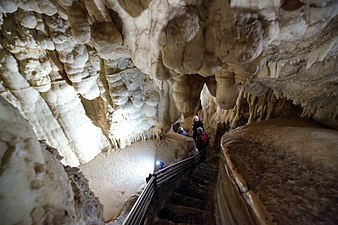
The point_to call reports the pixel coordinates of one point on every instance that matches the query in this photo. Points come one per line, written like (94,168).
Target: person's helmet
(180,130)
(196,118)
(199,129)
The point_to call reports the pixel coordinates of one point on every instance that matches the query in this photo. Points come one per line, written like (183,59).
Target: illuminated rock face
(95,74)
(35,186)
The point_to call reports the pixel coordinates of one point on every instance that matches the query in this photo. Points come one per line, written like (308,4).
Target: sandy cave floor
(292,166)
(116,175)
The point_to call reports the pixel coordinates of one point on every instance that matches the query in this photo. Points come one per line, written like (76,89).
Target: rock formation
(90,75)
(281,171)
(35,187)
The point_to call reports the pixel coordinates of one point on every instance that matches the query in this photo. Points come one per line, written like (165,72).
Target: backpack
(204,138)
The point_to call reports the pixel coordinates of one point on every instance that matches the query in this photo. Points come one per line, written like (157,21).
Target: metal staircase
(191,197)
(191,201)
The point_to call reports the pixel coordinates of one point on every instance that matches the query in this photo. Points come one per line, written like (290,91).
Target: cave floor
(293,167)
(119,174)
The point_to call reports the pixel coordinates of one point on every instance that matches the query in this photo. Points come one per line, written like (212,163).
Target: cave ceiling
(93,74)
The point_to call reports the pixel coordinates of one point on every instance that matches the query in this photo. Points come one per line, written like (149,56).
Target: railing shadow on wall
(155,182)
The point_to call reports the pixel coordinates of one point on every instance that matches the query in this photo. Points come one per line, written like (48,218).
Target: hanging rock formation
(89,75)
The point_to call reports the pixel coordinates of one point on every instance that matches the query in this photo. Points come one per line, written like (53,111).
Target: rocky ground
(292,166)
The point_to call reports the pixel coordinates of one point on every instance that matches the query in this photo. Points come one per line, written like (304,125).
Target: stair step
(206,172)
(206,175)
(193,193)
(178,199)
(207,181)
(206,167)
(184,214)
(195,184)
(168,222)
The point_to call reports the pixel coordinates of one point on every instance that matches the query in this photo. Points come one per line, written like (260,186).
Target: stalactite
(237,107)
(251,99)
(270,107)
(280,105)
(262,108)
(307,112)
(114,141)
(238,102)
(255,106)
(84,43)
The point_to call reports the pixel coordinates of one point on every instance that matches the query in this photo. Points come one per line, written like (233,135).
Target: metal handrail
(156,181)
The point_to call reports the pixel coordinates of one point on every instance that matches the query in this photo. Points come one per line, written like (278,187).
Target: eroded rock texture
(95,74)
(35,186)
(281,171)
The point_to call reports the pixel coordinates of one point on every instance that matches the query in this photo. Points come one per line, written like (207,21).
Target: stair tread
(184,214)
(207,175)
(204,178)
(207,167)
(178,199)
(203,183)
(168,222)
(187,209)
(193,193)
(197,184)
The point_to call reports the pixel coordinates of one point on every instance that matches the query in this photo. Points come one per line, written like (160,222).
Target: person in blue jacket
(182,131)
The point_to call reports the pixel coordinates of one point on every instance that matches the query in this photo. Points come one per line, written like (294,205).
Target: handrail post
(155,187)
(148,178)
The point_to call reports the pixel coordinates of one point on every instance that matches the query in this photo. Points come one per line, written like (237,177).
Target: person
(176,126)
(182,131)
(202,142)
(197,123)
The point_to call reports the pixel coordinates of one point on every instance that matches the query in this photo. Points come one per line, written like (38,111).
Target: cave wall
(35,187)
(278,172)
(89,75)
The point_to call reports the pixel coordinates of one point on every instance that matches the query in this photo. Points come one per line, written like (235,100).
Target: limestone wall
(35,187)
(234,203)
(289,165)
(90,75)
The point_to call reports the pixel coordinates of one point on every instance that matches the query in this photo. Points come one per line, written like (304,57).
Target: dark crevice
(5,160)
